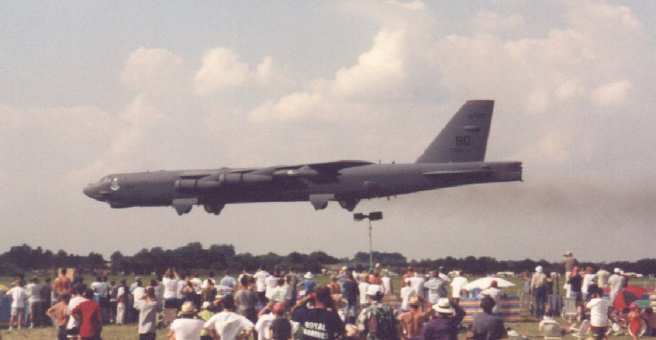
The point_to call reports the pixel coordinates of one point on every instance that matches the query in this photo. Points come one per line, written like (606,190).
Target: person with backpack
(377,321)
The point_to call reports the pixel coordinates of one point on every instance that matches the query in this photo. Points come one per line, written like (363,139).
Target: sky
(89,88)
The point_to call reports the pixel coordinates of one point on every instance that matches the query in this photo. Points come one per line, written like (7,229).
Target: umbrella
(628,295)
(484,283)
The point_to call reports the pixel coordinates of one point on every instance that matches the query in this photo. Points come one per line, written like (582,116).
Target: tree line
(221,257)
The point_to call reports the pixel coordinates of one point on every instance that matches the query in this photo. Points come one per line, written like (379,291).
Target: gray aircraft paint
(455,157)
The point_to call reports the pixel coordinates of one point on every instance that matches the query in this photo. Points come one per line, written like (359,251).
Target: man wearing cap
(320,322)
(377,321)
(539,290)
(444,326)
(308,283)
(569,261)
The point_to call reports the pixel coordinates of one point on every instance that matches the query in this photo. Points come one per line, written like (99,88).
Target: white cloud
(223,69)
(611,94)
(415,5)
(378,71)
(153,70)
(490,22)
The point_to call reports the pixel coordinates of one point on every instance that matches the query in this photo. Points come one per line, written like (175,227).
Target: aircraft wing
(310,170)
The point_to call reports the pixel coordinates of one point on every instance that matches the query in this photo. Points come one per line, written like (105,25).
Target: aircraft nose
(91,190)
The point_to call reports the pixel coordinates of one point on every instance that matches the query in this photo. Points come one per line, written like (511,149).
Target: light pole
(372,216)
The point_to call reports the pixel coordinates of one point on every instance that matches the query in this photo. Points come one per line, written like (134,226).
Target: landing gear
(349,204)
(213,208)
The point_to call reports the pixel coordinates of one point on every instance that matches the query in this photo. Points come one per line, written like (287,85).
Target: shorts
(73,332)
(598,332)
(172,303)
(15,311)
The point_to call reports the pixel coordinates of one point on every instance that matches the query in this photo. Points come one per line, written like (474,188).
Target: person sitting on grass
(550,327)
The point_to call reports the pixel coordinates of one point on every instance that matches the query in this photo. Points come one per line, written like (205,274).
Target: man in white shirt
(457,285)
(406,294)
(598,307)
(227,324)
(73,325)
(589,278)
(260,284)
(363,285)
(495,293)
(186,327)
(615,282)
(36,310)
(271,283)
(417,283)
(387,283)
(18,296)
(264,322)
(436,288)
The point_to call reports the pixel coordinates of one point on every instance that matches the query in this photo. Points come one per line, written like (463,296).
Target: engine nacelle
(240,179)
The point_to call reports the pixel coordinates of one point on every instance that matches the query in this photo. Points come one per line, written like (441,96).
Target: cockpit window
(114,186)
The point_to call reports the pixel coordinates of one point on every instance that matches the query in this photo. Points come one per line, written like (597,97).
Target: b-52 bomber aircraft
(455,157)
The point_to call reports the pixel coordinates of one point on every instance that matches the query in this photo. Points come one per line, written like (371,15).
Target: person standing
(495,293)
(121,301)
(350,294)
(407,293)
(18,298)
(444,326)
(412,320)
(436,288)
(321,322)
(458,284)
(387,283)
(58,313)
(87,314)
(33,290)
(539,290)
(487,326)
(377,321)
(308,282)
(260,285)
(227,324)
(615,282)
(148,307)
(575,282)
(589,278)
(246,299)
(187,326)
(417,283)
(62,284)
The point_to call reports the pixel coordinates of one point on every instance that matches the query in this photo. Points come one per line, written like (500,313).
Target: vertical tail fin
(464,138)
